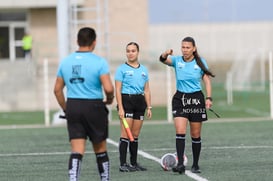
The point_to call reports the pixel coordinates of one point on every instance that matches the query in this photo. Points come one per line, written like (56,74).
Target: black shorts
(189,105)
(87,119)
(134,106)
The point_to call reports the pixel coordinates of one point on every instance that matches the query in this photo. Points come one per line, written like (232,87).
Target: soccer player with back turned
(86,76)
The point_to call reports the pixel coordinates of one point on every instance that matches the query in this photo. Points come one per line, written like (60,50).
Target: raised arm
(164,57)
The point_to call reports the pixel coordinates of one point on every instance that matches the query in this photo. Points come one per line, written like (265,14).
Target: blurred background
(235,37)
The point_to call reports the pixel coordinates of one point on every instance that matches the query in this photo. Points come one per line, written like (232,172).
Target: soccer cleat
(195,169)
(139,168)
(127,168)
(179,168)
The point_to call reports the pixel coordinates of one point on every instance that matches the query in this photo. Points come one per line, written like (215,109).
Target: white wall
(215,41)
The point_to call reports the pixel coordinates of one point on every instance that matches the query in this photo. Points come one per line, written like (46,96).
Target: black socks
(196,149)
(103,165)
(133,147)
(124,143)
(123,146)
(180,147)
(74,166)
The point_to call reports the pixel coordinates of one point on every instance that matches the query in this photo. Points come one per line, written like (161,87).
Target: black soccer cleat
(139,167)
(127,168)
(179,168)
(195,169)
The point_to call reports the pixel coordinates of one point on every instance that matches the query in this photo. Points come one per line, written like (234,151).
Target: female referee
(188,103)
(133,97)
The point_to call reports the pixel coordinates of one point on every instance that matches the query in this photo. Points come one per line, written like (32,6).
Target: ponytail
(201,65)
(197,57)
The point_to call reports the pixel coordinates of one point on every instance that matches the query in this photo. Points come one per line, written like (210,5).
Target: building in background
(119,21)
(240,47)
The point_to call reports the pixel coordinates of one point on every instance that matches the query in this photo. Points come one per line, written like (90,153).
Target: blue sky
(196,11)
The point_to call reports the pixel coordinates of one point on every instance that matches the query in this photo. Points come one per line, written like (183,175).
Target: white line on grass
(151,157)
(34,154)
(150,150)
(142,153)
(236,147)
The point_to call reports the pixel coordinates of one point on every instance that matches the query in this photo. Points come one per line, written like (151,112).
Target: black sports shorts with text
(87,119)
(189,105)
(134,106)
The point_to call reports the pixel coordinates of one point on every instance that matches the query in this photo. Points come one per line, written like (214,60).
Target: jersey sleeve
(59,71)
(118,75)
(147,75)
(173,58)
(104,67)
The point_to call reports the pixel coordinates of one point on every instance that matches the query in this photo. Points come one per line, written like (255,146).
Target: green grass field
(238,146)
(246,104)
(231,151)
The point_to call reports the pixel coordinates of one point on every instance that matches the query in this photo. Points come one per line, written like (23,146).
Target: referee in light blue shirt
(133,97)
(86,77)
(133,79)
(189,103)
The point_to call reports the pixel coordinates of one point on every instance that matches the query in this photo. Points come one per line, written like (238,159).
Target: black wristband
(162,59)
(209,98)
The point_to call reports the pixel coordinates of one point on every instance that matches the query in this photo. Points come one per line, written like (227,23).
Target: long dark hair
(197,57)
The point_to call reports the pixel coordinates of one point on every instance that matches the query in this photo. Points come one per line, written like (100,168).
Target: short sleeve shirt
(81,72)
(133,79)
(188,74)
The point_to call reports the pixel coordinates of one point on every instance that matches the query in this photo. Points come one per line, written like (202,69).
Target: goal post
(46,93)
(271,83)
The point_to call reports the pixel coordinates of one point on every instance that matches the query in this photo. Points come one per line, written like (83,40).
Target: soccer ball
(170,160)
